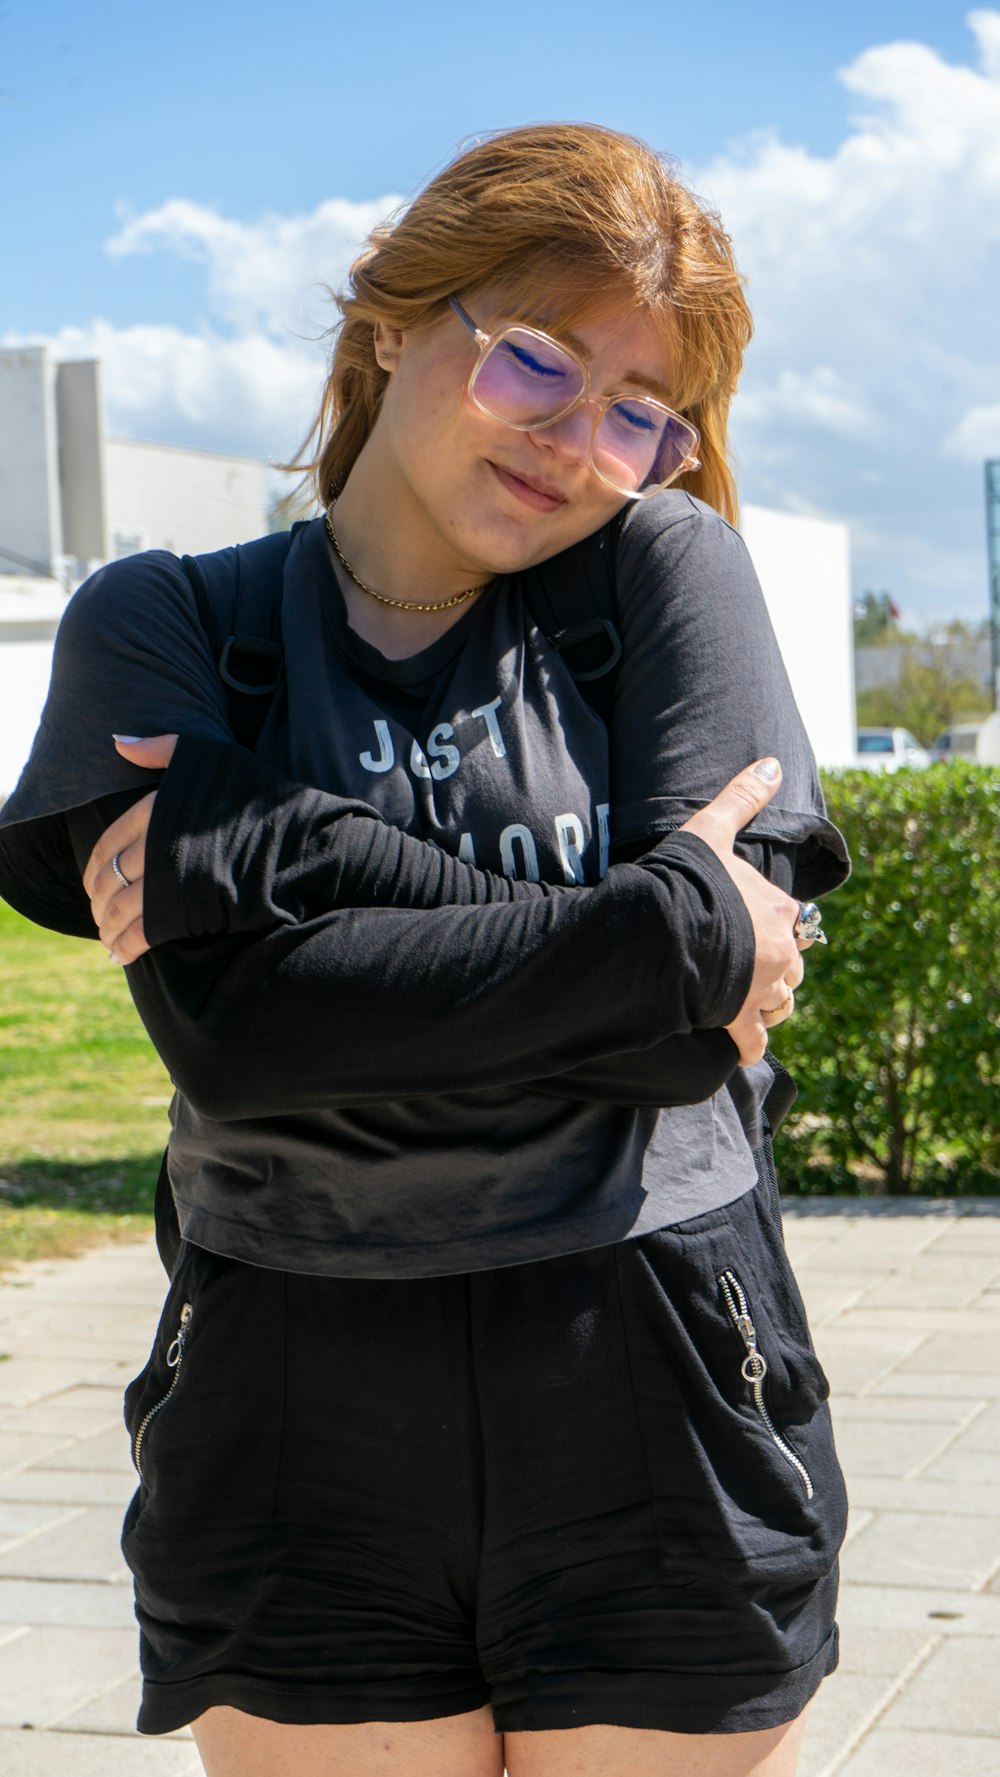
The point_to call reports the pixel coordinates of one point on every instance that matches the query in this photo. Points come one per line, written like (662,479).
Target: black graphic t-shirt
(480,743)
(389,1063)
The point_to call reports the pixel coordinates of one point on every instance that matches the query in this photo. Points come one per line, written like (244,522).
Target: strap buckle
(595,629)
(251,648)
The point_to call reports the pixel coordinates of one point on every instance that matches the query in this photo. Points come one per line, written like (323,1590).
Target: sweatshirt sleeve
(702,691)
(234,848)
(361,1004)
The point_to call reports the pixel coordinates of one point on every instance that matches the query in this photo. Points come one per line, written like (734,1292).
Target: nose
(569,437)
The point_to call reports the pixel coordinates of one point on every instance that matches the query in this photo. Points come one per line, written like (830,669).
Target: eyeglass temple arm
(467,321)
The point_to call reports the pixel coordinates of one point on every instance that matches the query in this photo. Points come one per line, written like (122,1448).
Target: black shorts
(564,1489)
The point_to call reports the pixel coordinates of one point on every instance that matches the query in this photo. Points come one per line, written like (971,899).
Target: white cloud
(247,393)
(977,435)
(259,273)
(819,398)
(872,383)
(249,379)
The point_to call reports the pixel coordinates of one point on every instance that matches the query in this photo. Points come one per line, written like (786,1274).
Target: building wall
(81,460)
(804,569)
(188,501)
(29,613)
(30,516)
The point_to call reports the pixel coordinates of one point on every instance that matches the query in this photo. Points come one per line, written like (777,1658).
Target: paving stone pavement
(905,1305)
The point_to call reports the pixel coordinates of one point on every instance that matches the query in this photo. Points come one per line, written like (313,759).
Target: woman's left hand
(116,868)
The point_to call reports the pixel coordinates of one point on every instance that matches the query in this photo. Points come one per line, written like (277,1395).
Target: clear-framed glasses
(528,380)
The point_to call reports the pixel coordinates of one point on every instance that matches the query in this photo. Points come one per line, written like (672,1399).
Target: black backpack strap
(238,594)
(573,600)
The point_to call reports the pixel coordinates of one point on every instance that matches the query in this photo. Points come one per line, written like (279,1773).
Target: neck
(389,541)
(399,557)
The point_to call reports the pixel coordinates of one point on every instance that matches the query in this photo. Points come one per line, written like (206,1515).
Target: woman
(455,1448)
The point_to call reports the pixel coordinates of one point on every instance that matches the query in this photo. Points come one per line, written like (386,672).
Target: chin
(503,549)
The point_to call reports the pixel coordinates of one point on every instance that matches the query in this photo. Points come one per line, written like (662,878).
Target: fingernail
(768,769)
(113,957)
(128,740)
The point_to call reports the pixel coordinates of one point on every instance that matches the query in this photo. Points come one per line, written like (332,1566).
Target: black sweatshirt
(389,1061)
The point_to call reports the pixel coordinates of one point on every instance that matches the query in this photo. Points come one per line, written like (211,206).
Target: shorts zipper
(754,1369)
(175,1356)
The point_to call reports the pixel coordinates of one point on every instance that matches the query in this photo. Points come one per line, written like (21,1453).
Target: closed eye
(636,416)
(527,361)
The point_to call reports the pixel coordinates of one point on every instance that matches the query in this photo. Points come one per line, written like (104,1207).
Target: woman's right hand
(116,904)
(778,967)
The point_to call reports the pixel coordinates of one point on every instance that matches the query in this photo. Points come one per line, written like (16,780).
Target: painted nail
(768,769)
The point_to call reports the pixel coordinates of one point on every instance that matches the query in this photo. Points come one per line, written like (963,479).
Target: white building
(804,568)
(71,498)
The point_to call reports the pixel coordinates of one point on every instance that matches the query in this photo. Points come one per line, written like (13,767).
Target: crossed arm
(279,935)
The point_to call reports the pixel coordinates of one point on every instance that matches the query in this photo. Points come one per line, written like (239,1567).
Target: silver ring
(119,872)
(809,924)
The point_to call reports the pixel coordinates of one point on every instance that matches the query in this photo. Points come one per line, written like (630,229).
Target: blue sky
(185,175)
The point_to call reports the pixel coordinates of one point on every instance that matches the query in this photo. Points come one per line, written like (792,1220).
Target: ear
(388,345)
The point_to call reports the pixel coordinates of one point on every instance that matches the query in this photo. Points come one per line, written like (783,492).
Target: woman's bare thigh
(642,1752)
(233,1744)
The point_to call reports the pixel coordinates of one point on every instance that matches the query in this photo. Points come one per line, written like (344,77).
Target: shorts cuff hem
(670,1702)
(166,1707)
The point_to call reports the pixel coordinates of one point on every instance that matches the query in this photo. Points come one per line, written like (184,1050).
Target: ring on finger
(809,925)
(779,1011)
(118,871)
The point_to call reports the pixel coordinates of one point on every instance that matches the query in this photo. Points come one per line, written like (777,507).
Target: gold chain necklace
(398,604)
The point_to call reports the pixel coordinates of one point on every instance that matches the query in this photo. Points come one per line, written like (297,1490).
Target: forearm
(240,844)
(234,848)
(381,1003)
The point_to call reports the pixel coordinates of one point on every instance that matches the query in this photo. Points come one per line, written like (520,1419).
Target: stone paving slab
(839,1716)
(953,1384)
(888,1753)
(87,1755)
(82,1547)
(905,1304)
(49,1671)
(98,1450)
(84,1607)
(112,1712)
(883,1493)
(952,1613)
(883,1407)
(960,1682)
(75,1484)
(854,1359)
(867,1448)
(916,1549)
(938,1279)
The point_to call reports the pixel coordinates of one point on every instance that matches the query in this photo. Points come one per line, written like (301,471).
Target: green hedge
(894,1042)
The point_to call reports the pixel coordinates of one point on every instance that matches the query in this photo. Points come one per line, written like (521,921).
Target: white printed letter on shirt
(523,837)
(488,712)
(604,836)
(387,757)
(569,838)
(445,759)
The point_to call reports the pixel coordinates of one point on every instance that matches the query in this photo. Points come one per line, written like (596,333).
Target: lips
(542,496)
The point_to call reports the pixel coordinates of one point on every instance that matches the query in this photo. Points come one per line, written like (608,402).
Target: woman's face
(495,498)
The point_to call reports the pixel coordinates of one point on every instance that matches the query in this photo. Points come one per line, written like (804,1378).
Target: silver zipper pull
(175,1350)
(753,1369)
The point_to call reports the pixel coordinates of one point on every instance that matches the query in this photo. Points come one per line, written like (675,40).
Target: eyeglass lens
(528,382)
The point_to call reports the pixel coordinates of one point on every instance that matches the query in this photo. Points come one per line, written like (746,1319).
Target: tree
(938,683)
(875,619)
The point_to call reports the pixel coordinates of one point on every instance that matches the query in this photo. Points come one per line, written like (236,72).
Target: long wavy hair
(574,221)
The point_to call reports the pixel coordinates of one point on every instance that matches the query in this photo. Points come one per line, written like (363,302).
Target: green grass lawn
(83,1106)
